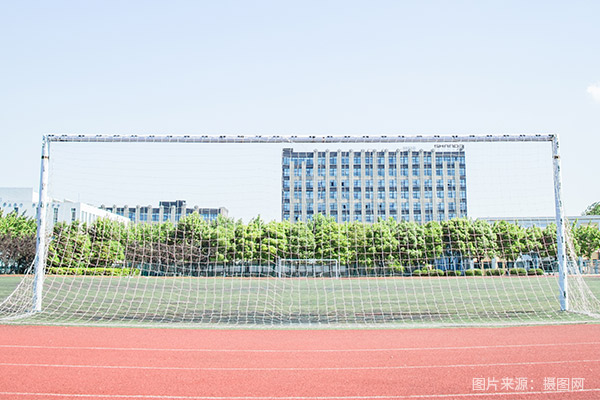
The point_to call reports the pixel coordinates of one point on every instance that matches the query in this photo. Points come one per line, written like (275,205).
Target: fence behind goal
(226,231)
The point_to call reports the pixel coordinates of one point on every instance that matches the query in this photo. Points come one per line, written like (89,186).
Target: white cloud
(594,90)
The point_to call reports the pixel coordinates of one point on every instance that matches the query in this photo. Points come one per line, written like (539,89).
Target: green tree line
(384,244)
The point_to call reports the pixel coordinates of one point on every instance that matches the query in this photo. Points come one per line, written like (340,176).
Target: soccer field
(296,302)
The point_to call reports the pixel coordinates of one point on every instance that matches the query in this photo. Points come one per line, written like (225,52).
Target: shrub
(417,272)
(518,271)
(451,272)
(536,271)
(494,272)
(473,272)
(436,272)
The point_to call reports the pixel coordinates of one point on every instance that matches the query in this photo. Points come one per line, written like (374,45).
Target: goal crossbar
(300,139)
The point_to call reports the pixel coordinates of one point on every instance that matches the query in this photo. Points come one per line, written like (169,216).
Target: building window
(73,214)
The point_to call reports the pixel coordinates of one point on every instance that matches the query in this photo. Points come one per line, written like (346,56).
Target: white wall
(24,201)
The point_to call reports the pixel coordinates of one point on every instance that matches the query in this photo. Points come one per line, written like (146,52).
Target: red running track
(540,362)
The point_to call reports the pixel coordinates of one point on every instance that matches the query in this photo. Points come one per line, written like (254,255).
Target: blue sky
(311,67)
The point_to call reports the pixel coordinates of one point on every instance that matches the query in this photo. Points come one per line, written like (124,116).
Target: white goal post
(388,213)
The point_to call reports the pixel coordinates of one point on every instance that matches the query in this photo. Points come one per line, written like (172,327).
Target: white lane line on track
(383,397)
(393,367)
(500,346)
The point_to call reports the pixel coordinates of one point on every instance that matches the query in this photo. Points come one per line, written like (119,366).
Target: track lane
(96,362)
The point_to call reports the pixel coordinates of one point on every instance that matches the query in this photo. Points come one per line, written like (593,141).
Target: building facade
(166,211)
(365,185)
(24,201)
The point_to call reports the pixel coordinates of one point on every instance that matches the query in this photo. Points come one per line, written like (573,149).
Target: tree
(383,244)
(593,209)
(434,244)
(483,240)
(457,238)
(331,239)
(510,240)
(70,247)
(17,240)
(17,251)
(411,243)
(273,242)
(587,240)
(357,237)
(106,253)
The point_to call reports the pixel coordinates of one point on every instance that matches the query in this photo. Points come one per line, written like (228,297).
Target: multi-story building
(166,211)
(365,185)
(24,201)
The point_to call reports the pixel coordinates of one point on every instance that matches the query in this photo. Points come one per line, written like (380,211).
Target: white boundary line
(100,348)
(392,367)
(414,396)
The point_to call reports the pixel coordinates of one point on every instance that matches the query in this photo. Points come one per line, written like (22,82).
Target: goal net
(288,231)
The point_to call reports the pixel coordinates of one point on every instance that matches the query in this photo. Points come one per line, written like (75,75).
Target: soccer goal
(308,268)
(259,231)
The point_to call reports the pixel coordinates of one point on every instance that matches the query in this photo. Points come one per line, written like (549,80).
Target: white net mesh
(351,232)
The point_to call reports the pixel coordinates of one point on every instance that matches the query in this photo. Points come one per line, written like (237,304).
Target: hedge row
(93,271)
(478,272)
(418,272)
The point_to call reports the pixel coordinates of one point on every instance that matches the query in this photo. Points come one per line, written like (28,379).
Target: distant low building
(24,201)
(542,222)
(166,211)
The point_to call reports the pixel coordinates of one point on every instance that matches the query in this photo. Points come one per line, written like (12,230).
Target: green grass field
(247,302)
